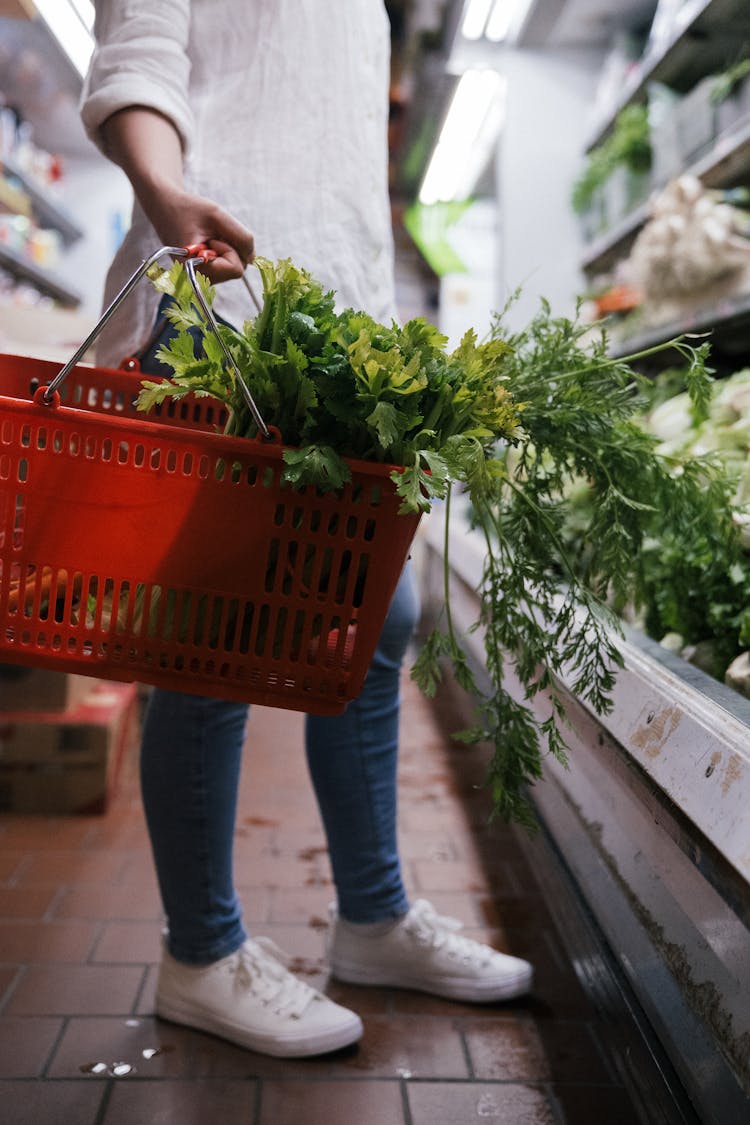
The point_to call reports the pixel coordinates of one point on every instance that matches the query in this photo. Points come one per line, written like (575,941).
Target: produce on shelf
(629,146)
(692,239)
(694,598)
(513,421)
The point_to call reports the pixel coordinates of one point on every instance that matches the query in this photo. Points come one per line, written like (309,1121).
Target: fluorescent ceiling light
(500,20)
(475,18)
(493,19)
(469,132)
(71,22)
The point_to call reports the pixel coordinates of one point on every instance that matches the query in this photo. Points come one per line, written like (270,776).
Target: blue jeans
(190,764)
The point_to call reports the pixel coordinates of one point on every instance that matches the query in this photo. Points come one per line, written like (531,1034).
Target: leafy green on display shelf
(514,421)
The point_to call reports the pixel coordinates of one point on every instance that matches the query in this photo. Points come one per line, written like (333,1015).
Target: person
(269,116)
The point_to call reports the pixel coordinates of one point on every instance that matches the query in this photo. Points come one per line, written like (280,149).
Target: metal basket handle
(192,255)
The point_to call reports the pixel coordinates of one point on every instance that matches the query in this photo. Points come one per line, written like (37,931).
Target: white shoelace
(260,967)
(434,931)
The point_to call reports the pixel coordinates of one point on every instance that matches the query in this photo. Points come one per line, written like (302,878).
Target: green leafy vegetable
(518,422)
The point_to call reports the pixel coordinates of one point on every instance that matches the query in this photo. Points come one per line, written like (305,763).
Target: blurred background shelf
(48,212)
(24,270)
(696,46)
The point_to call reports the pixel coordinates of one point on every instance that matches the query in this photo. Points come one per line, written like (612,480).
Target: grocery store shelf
(649,820)
(722,322)
(721,166)
(697,47)
(24,270)
(608,247)
(47,211)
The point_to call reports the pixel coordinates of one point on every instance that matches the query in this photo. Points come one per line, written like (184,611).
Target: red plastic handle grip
(200,250)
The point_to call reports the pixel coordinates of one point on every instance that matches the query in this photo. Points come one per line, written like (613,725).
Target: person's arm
(136,107)
(148,148)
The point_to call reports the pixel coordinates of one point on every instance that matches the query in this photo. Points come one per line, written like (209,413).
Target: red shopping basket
(148,548)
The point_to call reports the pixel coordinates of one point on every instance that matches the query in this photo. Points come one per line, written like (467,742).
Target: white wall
(468,300)
(549,102)
(99,198)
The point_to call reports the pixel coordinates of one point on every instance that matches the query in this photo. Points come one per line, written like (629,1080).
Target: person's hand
(182,219)
(147,147)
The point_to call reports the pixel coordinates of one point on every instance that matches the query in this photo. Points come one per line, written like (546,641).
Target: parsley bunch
(340,385)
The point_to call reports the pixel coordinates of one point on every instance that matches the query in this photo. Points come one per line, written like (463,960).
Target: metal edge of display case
(716,322)
(670,905)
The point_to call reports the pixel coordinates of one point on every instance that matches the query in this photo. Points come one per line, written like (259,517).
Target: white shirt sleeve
(141,58)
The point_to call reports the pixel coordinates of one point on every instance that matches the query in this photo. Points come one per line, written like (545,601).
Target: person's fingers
(234,234)
(225,266)
(202,221)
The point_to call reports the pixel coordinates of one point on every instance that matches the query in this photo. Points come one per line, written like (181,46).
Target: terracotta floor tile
(8,975)
(147,995)
(73,866)
(139,866)
(112,901)
(365,1002)
(26,902)
(93,883)
(124,831)
(308,905)
(44,832)
(436,846)
(453,1103)
(50,1103)
(405,1047)
(332,1103)
(413,818)
(182,1103)
(449,875)
(25,1045)
(91,1041)
(280,871)
(129,942)
(518,1050)
(304,944)
(409,1003)
(12,864)
(46,941)
(76,990)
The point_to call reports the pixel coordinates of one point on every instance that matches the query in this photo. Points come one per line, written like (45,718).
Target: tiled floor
(79,937)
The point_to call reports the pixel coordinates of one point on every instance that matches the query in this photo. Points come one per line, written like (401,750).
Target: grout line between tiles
(57,898)
(458,1026)
(101,1113)
(258,1101)
(405,1103)
(140,991)
(18,872)
(21,971)
(99,928)
(53,1049)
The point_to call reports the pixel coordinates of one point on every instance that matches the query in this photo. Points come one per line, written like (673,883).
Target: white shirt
(282,107)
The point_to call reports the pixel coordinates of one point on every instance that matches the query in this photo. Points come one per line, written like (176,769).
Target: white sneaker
(251,999)
(424,951)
